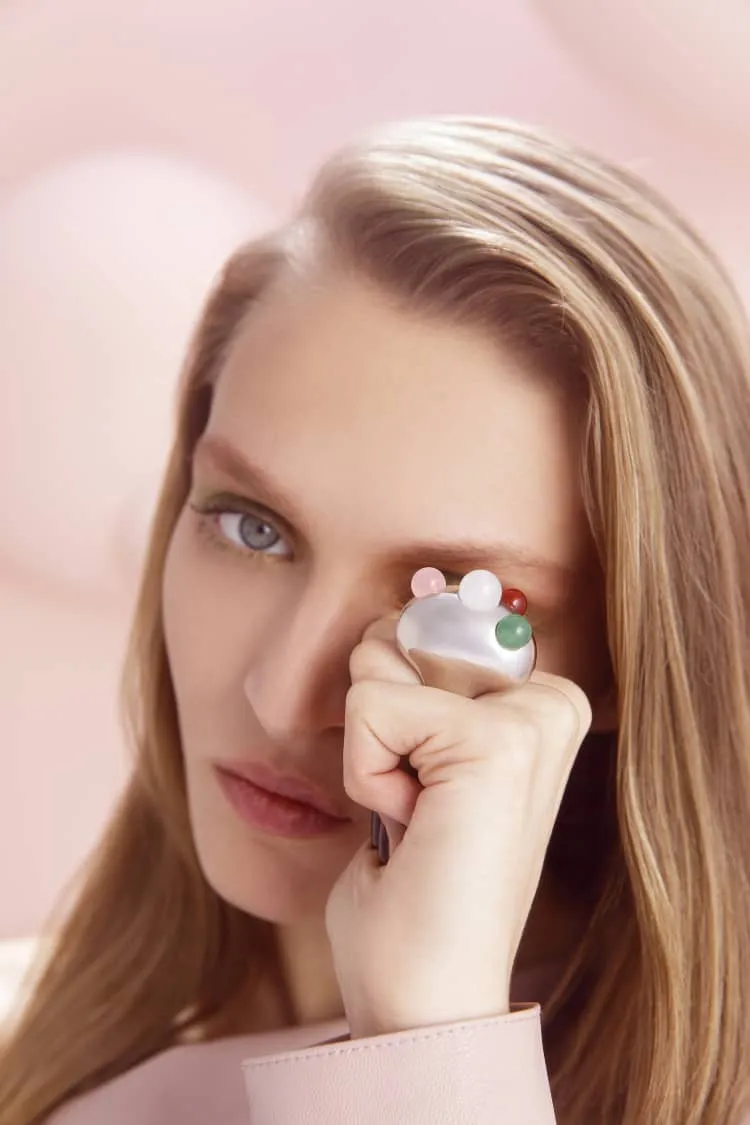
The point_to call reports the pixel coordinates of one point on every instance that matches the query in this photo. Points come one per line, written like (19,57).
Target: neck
(306,962)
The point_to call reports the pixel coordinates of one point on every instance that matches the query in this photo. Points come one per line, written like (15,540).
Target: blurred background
(139,144)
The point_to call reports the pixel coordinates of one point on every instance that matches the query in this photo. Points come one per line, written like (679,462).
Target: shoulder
(185,1085)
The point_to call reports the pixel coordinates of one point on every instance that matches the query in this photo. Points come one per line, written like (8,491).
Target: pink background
(138,143)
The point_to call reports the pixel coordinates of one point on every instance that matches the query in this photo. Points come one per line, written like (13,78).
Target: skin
(384,440)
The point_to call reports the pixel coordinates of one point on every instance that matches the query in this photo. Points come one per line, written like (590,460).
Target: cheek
(216,612)
(199,614)
(579,653)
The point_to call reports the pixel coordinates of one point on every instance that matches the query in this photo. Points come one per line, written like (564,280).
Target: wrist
(366,1025)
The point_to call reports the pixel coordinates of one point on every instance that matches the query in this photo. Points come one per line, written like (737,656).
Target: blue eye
(251,533)
(244,530)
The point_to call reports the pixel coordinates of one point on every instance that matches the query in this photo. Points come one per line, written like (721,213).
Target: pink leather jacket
(479,1072)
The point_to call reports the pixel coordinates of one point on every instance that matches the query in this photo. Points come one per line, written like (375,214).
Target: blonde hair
(497,224)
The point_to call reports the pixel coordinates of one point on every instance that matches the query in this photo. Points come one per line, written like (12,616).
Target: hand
(432,936)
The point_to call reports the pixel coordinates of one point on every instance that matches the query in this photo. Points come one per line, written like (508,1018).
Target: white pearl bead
(480,589)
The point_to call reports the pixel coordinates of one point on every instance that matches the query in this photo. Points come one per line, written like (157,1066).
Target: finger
(382,628)
(570,695)
(554,700)
(387,721)
(509,736)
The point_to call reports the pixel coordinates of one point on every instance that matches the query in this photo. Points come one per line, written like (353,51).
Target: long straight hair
(491,223)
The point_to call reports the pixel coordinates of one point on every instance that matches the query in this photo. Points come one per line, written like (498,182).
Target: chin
(272,902)
(263,881)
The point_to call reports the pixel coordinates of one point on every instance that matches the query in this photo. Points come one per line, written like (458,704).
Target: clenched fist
(432,936)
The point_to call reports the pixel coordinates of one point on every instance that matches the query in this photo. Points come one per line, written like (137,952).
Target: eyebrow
(444,554)
(223,456)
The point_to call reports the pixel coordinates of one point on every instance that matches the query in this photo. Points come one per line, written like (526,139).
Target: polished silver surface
(455,648)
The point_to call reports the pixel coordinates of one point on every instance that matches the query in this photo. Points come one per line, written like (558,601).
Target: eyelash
(209,514)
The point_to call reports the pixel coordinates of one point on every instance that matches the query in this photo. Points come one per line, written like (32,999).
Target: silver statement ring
(471,640)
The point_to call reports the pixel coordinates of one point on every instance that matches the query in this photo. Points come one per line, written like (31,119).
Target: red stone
(515,601)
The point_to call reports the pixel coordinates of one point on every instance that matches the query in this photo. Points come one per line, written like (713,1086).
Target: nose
(298,675)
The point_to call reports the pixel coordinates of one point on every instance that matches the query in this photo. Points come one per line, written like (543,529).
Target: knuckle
(565,706)
(362,699)
(359,661)
(353,777)
(353,782)
(368,661)
(524,744)
(515,722)
(523,732)
(530,725)
(573,712)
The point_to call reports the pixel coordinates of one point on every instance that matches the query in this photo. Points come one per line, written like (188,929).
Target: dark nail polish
(384,851)
(374,829)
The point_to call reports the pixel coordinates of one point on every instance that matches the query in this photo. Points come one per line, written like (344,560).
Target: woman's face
(349,444)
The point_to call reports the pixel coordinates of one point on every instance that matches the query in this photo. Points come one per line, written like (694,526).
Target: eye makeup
(216,508)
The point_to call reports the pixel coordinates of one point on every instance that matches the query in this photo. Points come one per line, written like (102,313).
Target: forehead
(388,428)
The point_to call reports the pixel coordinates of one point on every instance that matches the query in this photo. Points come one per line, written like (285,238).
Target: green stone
(513,631)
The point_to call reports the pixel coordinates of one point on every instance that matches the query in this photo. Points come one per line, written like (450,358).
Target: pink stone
(428,580)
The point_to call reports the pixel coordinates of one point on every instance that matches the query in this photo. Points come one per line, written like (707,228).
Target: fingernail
(374,829)
(384,851)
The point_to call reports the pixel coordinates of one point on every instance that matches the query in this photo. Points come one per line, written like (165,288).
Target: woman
(475,347)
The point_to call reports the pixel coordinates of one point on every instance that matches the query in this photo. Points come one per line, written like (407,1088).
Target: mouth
(282,804)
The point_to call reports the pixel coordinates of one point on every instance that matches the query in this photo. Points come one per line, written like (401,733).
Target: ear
(604,710)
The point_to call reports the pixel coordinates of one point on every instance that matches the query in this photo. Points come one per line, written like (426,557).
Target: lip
(291,786)
(275,814)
